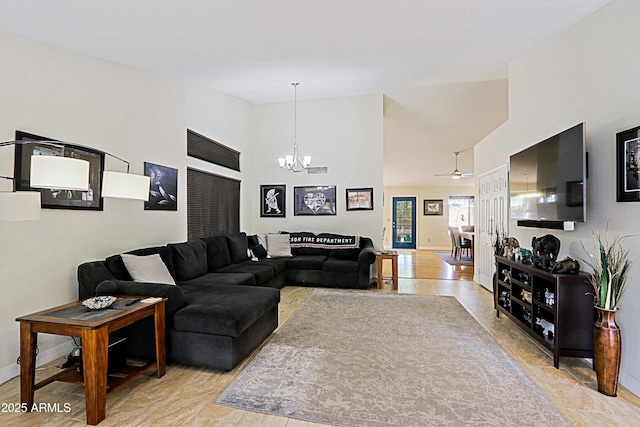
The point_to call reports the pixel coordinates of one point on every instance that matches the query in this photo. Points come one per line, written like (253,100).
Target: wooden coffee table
(94,328)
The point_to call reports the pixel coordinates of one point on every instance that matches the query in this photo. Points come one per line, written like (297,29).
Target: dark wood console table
(94,328)
(519,293)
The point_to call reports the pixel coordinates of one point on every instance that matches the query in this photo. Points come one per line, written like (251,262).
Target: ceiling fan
(456,174)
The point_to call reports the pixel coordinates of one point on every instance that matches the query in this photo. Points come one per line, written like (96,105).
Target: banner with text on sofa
(323,241)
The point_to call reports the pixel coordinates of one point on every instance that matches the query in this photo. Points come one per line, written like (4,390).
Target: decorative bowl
(98,303)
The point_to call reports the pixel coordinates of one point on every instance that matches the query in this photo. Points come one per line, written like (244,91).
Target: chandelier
(295,163)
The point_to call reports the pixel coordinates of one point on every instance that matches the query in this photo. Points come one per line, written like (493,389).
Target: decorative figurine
(509,244)
(566,266)
(548,327)
(545,251)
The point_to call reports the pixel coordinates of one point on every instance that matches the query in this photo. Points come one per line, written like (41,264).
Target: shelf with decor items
(555,309)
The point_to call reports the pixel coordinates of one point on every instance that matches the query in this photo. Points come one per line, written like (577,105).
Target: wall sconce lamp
(65,173)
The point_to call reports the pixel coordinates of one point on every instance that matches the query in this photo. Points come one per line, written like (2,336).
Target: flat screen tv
(548,180)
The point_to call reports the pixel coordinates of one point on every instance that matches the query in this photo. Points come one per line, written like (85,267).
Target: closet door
(493,216)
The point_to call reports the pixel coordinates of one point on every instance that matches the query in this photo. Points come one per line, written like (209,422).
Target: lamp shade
(125,186)
(59,173)
(19,206)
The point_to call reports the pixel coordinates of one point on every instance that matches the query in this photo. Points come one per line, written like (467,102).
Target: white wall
(430,229)
(132,114)
(343,134)
(587,73)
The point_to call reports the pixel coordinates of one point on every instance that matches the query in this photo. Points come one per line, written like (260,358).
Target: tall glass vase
(607,349)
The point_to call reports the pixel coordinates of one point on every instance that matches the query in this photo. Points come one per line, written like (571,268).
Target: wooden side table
(393,256)
(94,328)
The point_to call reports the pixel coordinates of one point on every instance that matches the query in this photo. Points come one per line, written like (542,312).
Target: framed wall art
(433,207)
(628,165)
(59,199)
(273,201)
(316,200)
(359,199)
(163,188)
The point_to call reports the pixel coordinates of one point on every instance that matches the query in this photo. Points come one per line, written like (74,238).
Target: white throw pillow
(148,268)
(278,245)
(262,240)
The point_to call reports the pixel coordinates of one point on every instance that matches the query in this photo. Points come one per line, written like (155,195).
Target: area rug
(446,257)
(373,359)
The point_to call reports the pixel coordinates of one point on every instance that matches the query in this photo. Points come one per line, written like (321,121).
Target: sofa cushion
(262,273)
(340,265)
(309,251)
(229,311)
(212,279)
(217,252)
(278,245)
(306,262)
(277,264)
(238,246)
(117,268)
(347,254)
(190,259)
(147,268)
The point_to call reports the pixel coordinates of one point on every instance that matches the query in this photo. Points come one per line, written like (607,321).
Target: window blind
(213,204)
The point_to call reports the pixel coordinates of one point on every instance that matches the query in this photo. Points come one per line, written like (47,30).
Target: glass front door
(404,222)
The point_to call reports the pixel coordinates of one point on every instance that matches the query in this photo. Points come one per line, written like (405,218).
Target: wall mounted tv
(548,181)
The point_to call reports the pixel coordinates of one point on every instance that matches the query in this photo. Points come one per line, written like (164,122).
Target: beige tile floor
(186,395)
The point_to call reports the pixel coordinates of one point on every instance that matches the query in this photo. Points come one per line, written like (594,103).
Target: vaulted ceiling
(441,64)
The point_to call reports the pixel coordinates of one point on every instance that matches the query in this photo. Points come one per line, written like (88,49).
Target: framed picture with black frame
(273,201)
(433,207)
(59,199)
(314,200)
(163,187)
(359,199)
(628,165)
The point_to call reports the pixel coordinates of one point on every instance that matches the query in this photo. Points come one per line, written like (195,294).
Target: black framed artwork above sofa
(359,199)
(273,201)
(314,200)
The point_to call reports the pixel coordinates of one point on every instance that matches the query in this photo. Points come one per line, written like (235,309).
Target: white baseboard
(632,384)
(42,358)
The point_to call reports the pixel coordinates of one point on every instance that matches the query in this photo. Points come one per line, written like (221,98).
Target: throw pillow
(238,245)
(259,252)
(252,241)
(218,255)
(190,259)
(278,245)
(149,268)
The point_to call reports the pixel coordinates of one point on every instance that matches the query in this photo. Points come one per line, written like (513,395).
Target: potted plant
(610,269)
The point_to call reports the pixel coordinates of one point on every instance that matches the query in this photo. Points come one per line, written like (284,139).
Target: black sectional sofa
(225,302)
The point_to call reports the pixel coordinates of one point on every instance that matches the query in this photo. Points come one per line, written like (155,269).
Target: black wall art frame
(433,207)
(359,199)
(314,200)
(628,165)
(163,188)
(59,199)
(273,201)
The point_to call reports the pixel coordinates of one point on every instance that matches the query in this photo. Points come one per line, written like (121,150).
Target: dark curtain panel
(213,204)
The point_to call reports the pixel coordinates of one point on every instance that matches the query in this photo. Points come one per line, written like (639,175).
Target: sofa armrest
(174,294)
(366,257)
(367,254)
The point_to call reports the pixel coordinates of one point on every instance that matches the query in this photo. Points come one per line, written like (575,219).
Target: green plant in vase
(610,267)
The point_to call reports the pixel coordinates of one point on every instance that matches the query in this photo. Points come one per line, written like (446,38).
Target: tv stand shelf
(519,293)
